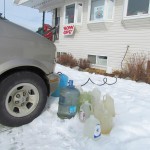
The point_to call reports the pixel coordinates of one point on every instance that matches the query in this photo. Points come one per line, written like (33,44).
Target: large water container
(62,84)
(68,100)
(92,128)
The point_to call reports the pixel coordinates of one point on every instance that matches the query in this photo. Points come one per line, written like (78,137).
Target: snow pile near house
(131,125)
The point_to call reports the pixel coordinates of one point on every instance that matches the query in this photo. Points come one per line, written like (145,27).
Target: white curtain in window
(79,12)
(110,8)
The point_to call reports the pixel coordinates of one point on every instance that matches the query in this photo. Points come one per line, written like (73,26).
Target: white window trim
(125,17)
(75,14)
(103,19)
(96,61)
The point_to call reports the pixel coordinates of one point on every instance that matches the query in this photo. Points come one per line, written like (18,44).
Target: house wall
(107,39)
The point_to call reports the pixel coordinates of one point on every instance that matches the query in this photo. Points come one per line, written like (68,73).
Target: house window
(98,60)
(92,59)
(60,54)
(137,7)
(97,9)
(70,14)
(73,13)
(102,60)
(101,9)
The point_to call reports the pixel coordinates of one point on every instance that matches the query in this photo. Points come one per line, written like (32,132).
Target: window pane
(97,9)
(58,54)
(70,11)
(138,7)
(110,9)
(102,60)
(92,59)
(79,15)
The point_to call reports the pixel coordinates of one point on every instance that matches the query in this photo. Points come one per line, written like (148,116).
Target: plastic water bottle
(86,110)
(92,128)
(68,100)
(109,104)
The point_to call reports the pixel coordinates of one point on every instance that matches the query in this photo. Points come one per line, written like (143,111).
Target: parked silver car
(26,73)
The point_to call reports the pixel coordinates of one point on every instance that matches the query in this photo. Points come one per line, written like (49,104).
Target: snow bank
(131,125)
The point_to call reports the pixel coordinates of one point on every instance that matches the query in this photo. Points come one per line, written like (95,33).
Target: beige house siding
(106,39)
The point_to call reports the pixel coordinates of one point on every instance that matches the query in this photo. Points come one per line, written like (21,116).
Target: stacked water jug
(68,100)
(97,114)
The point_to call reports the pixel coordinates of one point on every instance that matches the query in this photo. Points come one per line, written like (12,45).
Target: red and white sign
(68,30)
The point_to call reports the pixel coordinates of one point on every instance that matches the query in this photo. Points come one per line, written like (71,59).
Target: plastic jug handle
(59,73)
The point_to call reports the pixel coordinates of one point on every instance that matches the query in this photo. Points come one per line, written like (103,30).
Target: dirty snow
(131,130)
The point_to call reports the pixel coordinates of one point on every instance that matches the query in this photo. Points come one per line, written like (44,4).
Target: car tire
(23,98)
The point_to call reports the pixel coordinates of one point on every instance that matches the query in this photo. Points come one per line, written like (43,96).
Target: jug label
(97,132)
(72,109)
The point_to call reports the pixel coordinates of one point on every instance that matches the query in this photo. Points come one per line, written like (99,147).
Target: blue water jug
(68,100)
(62,84)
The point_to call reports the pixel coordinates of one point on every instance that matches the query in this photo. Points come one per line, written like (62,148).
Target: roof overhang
(41,5)
(16,1)
(20,1)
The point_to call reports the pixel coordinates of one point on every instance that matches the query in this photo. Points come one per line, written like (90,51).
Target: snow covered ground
(131,129)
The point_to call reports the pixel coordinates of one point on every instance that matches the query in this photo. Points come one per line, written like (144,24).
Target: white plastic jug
(92,128)
(106,122)
(109,104)
(101,113)
(86,110)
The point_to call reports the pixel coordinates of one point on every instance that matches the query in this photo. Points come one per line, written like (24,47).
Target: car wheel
(23,98)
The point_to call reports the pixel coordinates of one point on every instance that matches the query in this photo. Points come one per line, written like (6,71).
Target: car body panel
(22,63)
(20,46)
